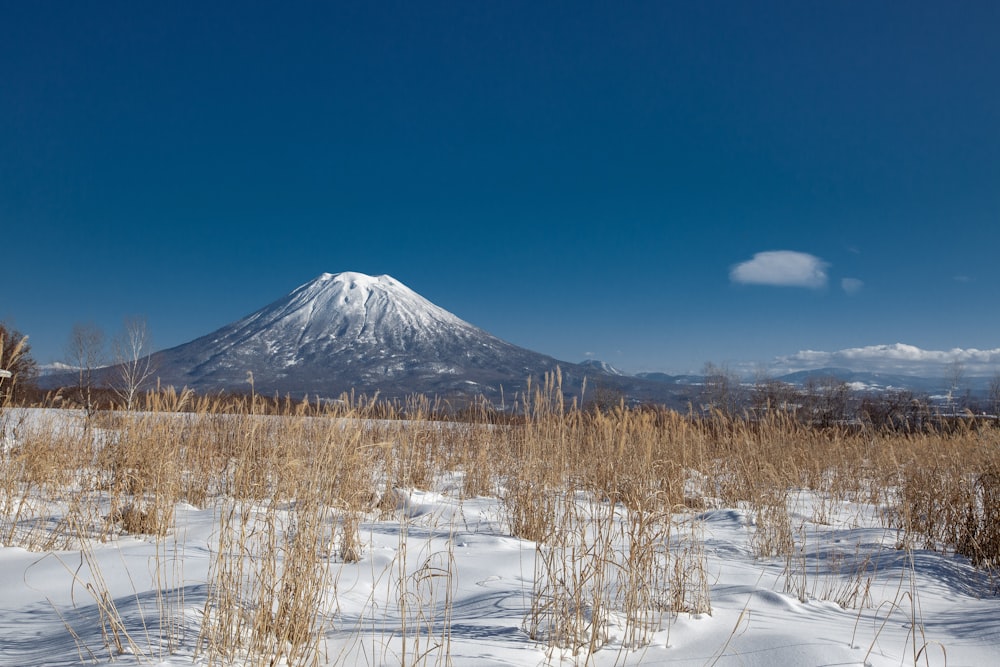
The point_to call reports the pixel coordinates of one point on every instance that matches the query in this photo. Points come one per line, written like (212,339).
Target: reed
(608,501)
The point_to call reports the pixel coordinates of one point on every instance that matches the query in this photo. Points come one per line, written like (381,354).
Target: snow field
(605,539)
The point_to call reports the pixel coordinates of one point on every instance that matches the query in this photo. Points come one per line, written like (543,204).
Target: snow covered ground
(440,580)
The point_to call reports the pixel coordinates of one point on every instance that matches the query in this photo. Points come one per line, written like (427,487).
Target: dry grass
(609,500)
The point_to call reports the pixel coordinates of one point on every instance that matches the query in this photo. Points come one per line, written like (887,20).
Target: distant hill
(876,381)
(601,367)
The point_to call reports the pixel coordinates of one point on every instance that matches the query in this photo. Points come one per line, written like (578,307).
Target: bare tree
(994,394)
(895,410)
(771,395)
(85,353)
(134,363)
(721,389)
(954,375)
(826,400)
(605,398)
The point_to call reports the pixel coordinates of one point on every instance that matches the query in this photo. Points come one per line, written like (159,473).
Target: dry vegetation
(611,500)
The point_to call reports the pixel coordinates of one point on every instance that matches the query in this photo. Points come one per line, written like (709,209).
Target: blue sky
(653,184)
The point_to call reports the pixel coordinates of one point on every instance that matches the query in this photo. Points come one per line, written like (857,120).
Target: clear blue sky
(579,178)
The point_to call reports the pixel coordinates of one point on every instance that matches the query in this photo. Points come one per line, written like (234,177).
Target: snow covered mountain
(350,331)
(353,331)
(602,367)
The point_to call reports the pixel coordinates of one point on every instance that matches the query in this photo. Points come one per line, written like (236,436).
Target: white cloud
(852,285)
(781,268)
(896,358)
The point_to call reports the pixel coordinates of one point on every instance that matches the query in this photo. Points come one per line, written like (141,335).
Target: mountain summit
(352,331)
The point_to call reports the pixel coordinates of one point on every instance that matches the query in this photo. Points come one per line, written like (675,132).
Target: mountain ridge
(370,334)
(345,331)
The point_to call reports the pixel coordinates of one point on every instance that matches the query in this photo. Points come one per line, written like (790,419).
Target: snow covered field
(434,575)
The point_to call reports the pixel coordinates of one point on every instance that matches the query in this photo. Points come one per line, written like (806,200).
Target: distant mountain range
(350,331)
(857,380)
(867,379)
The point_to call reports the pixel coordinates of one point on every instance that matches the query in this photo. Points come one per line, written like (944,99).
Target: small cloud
(852,285)
(588,354)
(962,279)
(781,268)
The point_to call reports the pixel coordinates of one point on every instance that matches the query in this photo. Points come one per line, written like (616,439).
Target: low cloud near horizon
(897,358)
(781,268)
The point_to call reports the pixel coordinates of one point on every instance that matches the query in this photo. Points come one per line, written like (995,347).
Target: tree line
(828,401)
(114,372)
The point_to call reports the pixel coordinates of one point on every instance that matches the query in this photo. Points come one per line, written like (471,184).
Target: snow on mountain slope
(602,367)
(340,313)
(351,330)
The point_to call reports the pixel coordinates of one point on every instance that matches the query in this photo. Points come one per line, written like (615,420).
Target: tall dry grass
(610,503)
